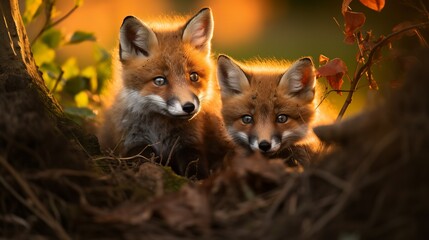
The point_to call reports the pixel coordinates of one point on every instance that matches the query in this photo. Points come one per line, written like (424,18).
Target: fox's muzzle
(187,109)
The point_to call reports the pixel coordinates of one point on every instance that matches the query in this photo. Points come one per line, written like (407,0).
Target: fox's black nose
(264,146)
(188,107)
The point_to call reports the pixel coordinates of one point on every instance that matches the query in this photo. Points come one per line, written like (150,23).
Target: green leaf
(70,68)
(103,66)
(51,72)
(42,53)
(80,36)
(91,74)
(32,9)
(81,99)
(52,38)
(75,85)
(54,12)
(78,3)
(101,54)
(51,68)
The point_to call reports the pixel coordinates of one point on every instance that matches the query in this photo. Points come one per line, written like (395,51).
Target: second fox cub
(268,105)
(167,101)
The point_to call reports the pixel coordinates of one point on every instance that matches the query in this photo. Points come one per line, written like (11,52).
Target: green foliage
(80,36)
(76,89)
(32,9)
(78,3)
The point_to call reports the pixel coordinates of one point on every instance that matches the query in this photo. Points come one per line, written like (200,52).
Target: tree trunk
(26,107)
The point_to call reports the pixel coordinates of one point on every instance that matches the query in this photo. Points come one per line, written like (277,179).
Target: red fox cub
(167,101)
(268,106)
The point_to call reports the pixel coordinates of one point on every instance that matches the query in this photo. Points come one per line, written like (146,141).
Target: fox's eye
(159,81)
(246,119)
(194,77)
(282,118)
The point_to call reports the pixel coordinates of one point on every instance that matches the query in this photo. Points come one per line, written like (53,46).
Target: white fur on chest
(143,122)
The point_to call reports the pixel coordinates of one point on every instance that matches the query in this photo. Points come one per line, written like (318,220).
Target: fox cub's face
(267,108)
(166,68)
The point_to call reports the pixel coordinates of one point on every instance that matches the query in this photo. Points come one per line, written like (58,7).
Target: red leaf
(376,5)
(353,21)
(345,6)
(334,71)
(350,38)
(333,67)
(336,82)
(323,59)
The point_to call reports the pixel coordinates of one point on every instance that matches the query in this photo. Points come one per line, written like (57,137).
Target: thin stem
(57,81)
(47,26)
(362,70)
(64,17)
(327,94)
(422,40)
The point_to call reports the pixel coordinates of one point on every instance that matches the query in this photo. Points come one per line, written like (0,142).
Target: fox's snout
(184,108)
(265,145)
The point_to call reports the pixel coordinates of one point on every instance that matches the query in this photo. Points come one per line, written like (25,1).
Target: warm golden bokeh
(239,20)
(235,21)
(104,17)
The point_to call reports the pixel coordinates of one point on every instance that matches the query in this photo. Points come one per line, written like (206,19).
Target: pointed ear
(135,39)
(231,78)
(198,30)
(300,79)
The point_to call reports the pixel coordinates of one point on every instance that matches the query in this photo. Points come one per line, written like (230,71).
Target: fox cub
(168,101)
(268,106)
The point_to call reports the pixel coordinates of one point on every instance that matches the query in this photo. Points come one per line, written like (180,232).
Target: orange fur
(167,97)
(269,106)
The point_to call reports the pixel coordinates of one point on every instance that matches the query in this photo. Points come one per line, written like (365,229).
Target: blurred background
(244,29)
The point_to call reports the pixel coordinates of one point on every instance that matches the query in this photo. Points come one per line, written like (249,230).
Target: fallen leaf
(255,164)
(376,5)
(187,209)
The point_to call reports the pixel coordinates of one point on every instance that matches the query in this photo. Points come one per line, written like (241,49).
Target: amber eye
(159,81)
(282,118)
(194,77)
(247,119)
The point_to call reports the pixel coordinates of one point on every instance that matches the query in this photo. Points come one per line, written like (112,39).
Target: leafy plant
(76,89)
(369,48)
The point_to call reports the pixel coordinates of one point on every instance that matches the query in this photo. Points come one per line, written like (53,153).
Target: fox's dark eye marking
(159,81)
(194,77)
(282,118)
(247,119)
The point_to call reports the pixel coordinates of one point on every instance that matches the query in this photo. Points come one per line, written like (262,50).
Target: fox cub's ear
(198,30)
(300,79)
(135,39)
(231,78)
